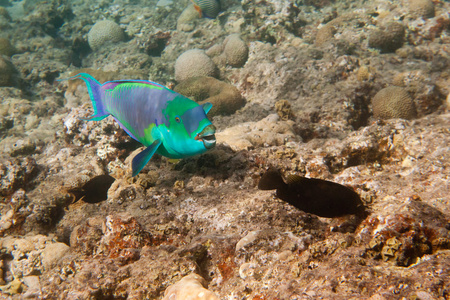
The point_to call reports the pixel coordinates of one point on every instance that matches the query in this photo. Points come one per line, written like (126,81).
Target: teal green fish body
(164,121)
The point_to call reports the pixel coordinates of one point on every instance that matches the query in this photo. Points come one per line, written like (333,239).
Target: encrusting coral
(393,102)
(225,98)
(104,32)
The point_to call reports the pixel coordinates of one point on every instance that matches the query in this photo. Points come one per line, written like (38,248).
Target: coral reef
(269,131)
(32,255)
(122,239)
(224,97)
(191,287)
(284,110)
(399,239)
(104,32)
(75,225)
(15,174)
(4,13)
(393,102)
(427,95)
(338,34)
(132,63)
(41,18)
(194,63)
(37,67)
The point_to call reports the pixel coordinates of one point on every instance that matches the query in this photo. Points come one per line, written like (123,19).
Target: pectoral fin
(96,117)
(140,160)
(207,107)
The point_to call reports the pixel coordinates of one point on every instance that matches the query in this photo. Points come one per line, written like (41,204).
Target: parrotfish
(164,121)
(207,8)
(312,195)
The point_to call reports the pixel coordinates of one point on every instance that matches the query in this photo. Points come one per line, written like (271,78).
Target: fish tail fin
(271,180)
(96,93)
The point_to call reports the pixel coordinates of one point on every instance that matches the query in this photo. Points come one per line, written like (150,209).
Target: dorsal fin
(294,179)
(110,85)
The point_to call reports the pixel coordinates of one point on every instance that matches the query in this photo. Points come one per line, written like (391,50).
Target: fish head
(189,131)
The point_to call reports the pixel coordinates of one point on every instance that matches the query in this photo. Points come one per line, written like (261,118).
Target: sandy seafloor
(312,72)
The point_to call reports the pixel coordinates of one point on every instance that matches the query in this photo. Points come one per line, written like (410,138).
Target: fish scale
(138,119)
(207,8)
(164,121)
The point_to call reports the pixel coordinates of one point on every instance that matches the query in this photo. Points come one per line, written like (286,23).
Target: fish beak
(207,136)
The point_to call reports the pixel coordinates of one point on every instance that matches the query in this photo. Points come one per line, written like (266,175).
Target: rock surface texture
(354,92)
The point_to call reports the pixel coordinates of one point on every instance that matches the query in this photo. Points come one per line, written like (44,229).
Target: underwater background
(351,92)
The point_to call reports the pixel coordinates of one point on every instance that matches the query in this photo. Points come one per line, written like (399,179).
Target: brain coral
(393,102)
(104,32)
(236,50)
(193,63)
(421,8)
(224,97)
(7,72)
(6,48)
(389,39)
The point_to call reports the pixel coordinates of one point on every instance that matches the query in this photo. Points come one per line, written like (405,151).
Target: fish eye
(177,119)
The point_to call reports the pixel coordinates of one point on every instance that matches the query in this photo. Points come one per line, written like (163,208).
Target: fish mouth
(207,136)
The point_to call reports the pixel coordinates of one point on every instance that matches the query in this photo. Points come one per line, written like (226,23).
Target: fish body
(317,196)
(164,121)
(207,8)
(94,190)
